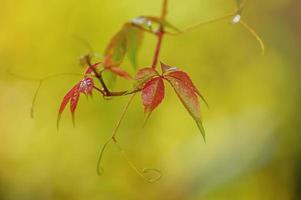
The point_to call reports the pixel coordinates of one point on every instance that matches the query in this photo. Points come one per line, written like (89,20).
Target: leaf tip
(167,68)
(201,128)
(73,119)
(31,112)
(58,121)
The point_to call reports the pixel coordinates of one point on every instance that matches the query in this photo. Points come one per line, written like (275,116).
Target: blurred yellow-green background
(253,124)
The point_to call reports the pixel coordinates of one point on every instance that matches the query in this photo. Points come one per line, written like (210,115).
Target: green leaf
(134,38)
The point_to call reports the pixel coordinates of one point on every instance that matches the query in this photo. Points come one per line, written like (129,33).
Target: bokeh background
(253,124)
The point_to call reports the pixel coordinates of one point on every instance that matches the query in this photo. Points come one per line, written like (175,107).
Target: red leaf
(152,94)
(73,104)
(89,69)
(67,98)
(144,75)
(187,93)
(85,86)
(182,76)
(120,72)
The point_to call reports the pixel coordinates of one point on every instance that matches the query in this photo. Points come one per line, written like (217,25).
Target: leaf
(66,100)
(120,72)
(134,38)
(73,104)
(187,93)
(89,70)
(144,75)
(166,68)
(115,51)
(84,86)
(182,76)
(126,41)
(152,94)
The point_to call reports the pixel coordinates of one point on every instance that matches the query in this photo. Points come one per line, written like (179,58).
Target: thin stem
(144,171)
(44,78)
(160,34)
(99,90)
(158,47)
(98,76)
(41,81)
(255,35)
(241,5)
(164,9)
(99,169)
(200,24)
(34,99)
(131,164)
(105,91)
(123,115)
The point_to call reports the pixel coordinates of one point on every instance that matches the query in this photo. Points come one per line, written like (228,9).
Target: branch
(160,34)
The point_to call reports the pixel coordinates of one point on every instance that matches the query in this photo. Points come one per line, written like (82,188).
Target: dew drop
(236,19)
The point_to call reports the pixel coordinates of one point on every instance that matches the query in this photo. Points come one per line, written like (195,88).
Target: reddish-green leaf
(144,75)
(187,93)
(115,51)
(134,38)
(152,94)
(166,68)
(182,76)
(120,72)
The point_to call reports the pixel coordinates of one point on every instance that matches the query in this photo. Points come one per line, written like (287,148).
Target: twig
(255,35)
(199,24)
